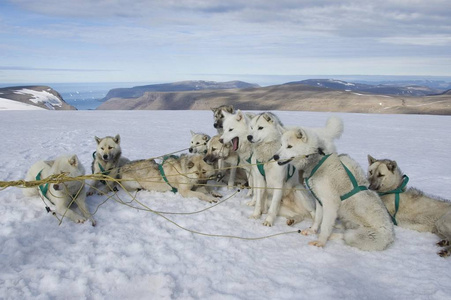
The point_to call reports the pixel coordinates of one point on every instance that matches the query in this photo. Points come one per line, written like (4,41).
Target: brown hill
(285,97)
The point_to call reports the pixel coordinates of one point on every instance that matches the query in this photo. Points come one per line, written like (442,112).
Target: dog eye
(231,129)
(289,146)
(102,148)
(109,148)
(260,127)
(197,143)
(380,175)
(213,149)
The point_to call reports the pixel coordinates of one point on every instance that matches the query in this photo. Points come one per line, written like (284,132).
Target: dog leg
(201,196)
(330,213)
(443,243)
(258,195)
(81,202)
(316,221)
(61,208)
(445,252)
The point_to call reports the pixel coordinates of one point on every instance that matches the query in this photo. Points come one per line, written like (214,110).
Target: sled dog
(414,210)
(61,195)
(280,182)
(106,160)
(339,192)
(217,151)
(218,116)
(198,142)
(185,174)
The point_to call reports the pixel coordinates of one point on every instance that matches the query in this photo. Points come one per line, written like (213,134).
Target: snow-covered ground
(7,104)
(134,254)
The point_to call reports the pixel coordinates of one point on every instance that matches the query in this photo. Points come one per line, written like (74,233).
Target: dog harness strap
(43,188)
(261,168)
(289,175)
(160,167)
(320,163)
(102,170)
(397,191)
(356,186)
(249,159)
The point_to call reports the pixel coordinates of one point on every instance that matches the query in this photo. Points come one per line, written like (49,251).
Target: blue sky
(170,40)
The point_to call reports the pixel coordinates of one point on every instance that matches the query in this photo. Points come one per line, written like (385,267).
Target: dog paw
(308,231)
(217,195)
(250,203)
(444,253)
(255,216)
(90,193)
(80,220)
(316,243)
(443,243)
(269,221)
(290,222)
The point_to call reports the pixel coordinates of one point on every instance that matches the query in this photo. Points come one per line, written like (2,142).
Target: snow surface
(134,254)
(48,99)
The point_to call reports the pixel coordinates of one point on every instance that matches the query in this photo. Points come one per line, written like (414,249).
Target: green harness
(102,170)
(160,167)
(397,191)
(356,187)
(44,188)
(261,168)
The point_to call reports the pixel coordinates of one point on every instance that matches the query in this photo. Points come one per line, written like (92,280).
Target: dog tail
(334,127)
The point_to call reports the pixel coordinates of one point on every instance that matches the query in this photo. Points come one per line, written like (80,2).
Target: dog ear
(206,137)
(239,115)
(73,160)
(392,165)
(192,133)
(97,140)
(371,160)
(117,139)
(230,109)
(268,118)
(300,134)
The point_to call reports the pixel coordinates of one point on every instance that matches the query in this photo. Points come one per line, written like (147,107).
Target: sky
(171,40)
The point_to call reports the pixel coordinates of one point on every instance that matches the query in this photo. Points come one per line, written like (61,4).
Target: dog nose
(190,150)
(105,156)
(276,157)
(249,138)
(221,141)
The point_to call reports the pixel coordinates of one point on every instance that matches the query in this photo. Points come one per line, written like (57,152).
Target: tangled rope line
(61,178)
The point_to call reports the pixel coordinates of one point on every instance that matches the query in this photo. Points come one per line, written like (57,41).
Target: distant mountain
(294,96)
(195,85)
(392,88)
(40,96)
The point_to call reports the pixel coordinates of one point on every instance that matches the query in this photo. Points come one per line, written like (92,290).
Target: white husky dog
(410,208)
(61,195)
(340,192)
(198,143)
(236,130)
(271,179)
(106,160)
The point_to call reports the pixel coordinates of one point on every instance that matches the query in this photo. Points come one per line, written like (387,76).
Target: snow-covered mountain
(32,97)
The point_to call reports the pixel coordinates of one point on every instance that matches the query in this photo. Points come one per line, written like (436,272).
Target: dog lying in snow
(415,210)
(61,195)
(186,175)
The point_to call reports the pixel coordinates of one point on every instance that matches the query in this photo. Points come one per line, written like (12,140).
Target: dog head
(198,169)
(383,174)
(70,166)
(265,127)
(108,147)
(297,145)
(218,115)
(236,129)
(199,143)
(217,150)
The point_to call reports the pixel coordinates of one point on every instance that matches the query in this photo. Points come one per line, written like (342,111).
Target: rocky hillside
(294,96)
(195,85)
(394,89)
(40,96)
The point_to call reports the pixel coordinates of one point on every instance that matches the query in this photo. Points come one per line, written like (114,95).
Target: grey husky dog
(106,160)
(409,207)
(218,116)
